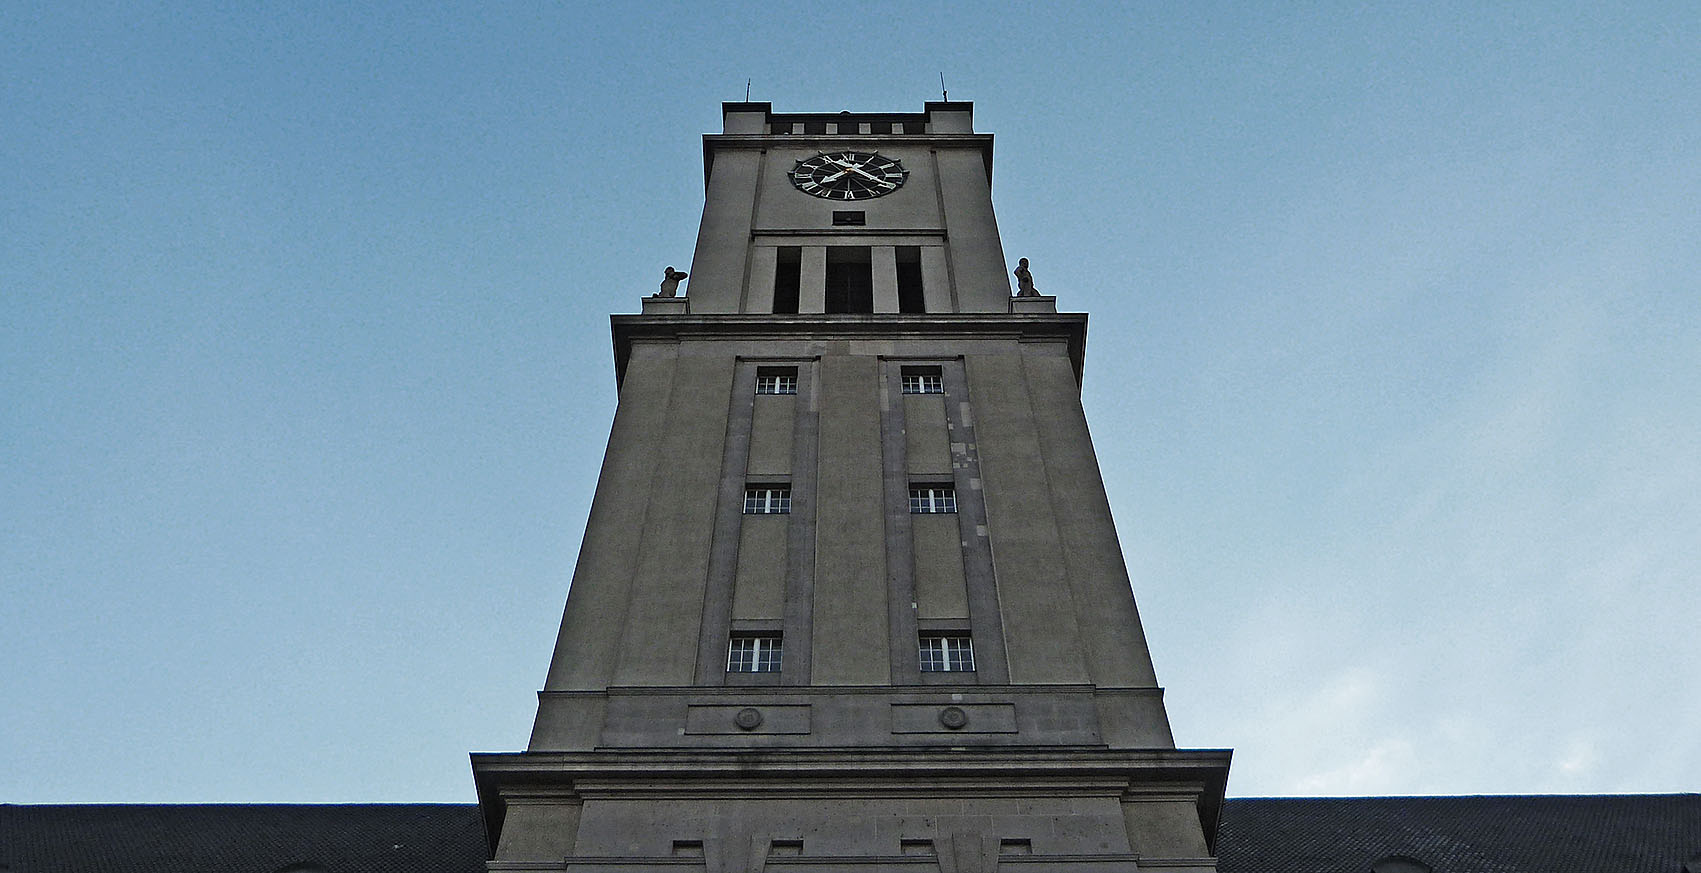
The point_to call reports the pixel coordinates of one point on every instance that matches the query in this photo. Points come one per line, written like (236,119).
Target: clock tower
(850,597)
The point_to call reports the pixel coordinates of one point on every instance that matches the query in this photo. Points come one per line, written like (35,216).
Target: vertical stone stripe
(883,261)
(812,280)
(593,624)
(850,630)
(759,292)
(744,279)
(1115,645)
(723,550)
(936,279)
(937,542)
(986,626)
(723,238)
(900,545)
(797,630)
(1034,598)
(947,258)
(665,612)
(976,256)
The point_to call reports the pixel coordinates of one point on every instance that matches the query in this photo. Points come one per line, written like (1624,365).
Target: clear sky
(1394,368)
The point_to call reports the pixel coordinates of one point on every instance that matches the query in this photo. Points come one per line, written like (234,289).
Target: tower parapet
(848,213)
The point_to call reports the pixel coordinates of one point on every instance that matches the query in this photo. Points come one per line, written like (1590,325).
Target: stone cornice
(1069,327)
(769,140)
(1199,775)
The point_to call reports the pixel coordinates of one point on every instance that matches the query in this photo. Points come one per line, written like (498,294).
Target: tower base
(1093,810)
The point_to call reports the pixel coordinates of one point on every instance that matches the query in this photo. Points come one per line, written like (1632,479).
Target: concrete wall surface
(1029,563)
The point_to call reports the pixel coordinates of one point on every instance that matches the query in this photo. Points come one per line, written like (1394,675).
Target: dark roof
(358,838)
(1496,834)
(1621,833)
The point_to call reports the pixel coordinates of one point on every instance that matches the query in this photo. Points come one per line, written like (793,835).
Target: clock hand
(864,173)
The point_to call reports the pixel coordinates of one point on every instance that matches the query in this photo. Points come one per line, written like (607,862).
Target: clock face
(848,175)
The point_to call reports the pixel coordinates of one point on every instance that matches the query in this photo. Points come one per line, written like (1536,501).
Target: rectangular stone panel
(770,434)
(940,592)
(760,585)
(931,718)
(724,719)
(927,444)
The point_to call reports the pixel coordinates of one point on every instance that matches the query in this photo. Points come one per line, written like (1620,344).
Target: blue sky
(305,372)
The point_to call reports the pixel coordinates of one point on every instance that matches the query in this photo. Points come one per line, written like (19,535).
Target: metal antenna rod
(944,95)
(747,90)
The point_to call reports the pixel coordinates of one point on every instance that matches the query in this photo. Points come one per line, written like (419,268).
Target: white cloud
(1383,768)
(1579,758)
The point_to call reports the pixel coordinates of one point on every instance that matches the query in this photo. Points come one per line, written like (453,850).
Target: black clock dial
(848,175)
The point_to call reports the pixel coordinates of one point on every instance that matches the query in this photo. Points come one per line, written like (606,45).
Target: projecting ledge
(667,305)
(1043,303)
(1069,328)
(1145,765)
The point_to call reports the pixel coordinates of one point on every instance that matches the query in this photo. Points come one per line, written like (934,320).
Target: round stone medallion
(953,717)
(748,718)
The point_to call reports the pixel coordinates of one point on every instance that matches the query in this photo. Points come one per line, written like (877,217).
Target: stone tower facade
(850,596)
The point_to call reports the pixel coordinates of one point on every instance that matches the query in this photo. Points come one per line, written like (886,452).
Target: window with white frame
(946,653)
(923,380)
(754,653)
(767,500)
(933,498)
(776,380)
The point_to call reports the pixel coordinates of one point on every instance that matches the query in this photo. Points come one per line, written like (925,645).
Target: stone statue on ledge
(670,283)
(1025,280)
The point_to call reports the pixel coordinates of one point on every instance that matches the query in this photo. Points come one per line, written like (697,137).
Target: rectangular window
(776,380)
(788,277)
(933,498)
(910,298)
(767,500)
(946,654)
(849,218)
(850,280)
(753,653)
(923,380)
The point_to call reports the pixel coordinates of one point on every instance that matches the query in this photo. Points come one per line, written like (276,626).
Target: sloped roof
(1626,833)
(361,838)
(1494,834)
